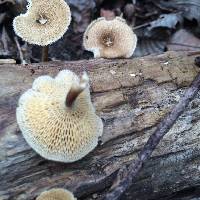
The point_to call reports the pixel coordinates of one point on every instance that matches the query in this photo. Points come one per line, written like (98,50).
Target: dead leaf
(166,21)
(183,40)
(149,46)
(162,28)
(190,9)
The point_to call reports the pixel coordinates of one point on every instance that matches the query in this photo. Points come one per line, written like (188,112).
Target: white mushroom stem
(76,90)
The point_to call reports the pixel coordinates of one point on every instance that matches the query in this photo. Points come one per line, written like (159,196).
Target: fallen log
(131,96)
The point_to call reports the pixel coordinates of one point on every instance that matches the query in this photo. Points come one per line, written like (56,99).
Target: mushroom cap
(56,194)
(110,38)
(54,17)
(52,129)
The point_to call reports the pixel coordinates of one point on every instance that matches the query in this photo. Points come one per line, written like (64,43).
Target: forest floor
(160,26)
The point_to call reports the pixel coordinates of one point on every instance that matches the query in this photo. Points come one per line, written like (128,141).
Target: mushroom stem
(45,51)
(76,90)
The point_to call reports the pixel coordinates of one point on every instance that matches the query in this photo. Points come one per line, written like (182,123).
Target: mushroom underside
(53,129)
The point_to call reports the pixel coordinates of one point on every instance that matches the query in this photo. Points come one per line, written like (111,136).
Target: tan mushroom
(56,194)
(110,38)
(45,22)
(57,118)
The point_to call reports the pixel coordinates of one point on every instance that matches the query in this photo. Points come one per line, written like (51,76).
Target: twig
(4,39)
(7,61)
(141,26)
(132,170)
(184,45)
(20,51)
(193,53)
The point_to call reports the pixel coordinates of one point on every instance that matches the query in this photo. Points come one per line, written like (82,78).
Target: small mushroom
(57,117)
(45,22)
(110,38)
(56,194)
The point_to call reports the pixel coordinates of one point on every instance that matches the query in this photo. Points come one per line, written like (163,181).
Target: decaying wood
(131,96)
(122,183)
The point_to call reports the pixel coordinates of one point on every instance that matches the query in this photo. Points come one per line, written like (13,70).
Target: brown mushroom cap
(56,194)
(110,38)
(54,130)
(45,22)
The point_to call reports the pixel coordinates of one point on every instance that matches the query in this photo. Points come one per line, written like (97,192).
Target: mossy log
(131,96)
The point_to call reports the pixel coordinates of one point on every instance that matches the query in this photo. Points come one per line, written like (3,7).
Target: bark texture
(131,96)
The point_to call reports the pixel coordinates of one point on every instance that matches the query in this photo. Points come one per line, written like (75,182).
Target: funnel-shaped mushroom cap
(56,194)
(110,38)
(57,117)
(45,22)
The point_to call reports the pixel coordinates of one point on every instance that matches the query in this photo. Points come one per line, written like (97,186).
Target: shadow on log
(131,96)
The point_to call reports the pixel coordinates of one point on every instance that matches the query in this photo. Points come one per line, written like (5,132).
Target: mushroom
(56,194)
(45,22)
(110,38)
(57,117)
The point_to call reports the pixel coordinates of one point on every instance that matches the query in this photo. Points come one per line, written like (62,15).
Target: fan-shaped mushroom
(45,22)
(56,194)
(57,118)
(110,38)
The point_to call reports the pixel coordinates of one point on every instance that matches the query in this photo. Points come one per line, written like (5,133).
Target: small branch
(193,53)
(184,45)
(45,52)
(132,170)
(20,51)
(76,90)
(4,39)
(7,61)
(141,26)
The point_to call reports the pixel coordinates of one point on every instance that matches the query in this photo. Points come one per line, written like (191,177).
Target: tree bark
(131,96)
